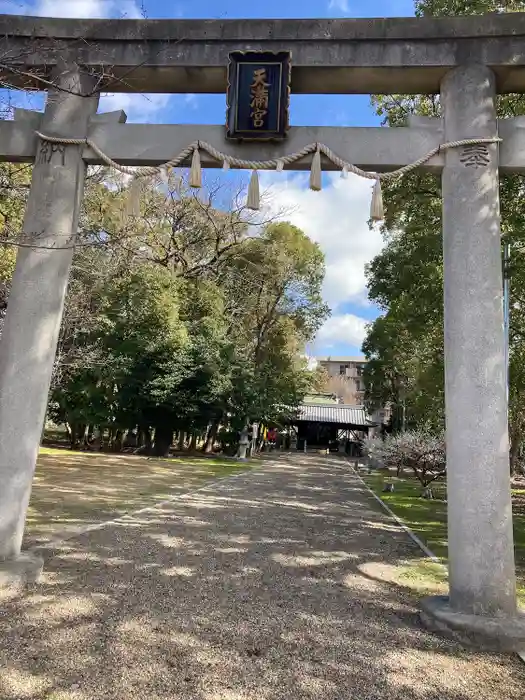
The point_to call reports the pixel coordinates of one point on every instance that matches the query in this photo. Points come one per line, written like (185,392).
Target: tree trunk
(148,440)
(144,441)
(98,436)
(73,435)
(514,450)
(69,431)
(163,440)
(119,438)
(193,442)
(182,437)
(77,434)
(211,436)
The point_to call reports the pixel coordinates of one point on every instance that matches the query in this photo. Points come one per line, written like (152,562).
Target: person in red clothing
(272,438)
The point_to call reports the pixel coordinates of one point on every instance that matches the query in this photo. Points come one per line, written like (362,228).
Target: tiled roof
(337,413)
(358,358)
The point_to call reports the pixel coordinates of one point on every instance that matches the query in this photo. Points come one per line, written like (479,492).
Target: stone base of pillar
(492,633)
(21,570)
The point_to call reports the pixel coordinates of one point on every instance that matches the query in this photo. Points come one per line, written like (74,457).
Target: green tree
(132,337)
(14,187)
(273,291)
(179,320)
(405,345)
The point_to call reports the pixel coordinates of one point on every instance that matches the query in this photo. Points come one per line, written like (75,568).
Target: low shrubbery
(419,451)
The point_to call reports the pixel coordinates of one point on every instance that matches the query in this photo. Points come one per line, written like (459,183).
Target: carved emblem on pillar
(475,156)
(47,151)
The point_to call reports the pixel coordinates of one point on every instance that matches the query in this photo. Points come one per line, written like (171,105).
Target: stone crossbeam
(468,60)
(408,55)
(377,149)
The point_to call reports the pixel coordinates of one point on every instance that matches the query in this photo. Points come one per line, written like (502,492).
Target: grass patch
(428,519)
(74,489)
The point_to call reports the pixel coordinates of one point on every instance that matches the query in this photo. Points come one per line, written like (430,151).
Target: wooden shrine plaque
(258,95)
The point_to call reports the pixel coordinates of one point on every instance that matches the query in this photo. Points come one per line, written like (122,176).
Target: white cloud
(341,5)
(336,218)
(342,329)
(191,100)
(136,105)
(87,8)
(75,9)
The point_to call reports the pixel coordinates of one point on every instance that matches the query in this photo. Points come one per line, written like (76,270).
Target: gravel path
(271,586)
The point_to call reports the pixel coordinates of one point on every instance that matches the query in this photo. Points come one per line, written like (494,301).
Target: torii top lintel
(400,55)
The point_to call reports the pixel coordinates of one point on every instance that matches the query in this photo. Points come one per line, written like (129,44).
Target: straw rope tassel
(196,172)
(377,212)
(177,184)
(253,199)
(164,175)
(132,207)
(195,180)
(315,172)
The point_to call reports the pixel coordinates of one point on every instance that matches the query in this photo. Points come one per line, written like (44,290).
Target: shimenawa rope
(195,180)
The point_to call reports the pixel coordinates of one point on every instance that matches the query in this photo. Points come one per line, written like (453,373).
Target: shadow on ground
(276,585)
(72,490)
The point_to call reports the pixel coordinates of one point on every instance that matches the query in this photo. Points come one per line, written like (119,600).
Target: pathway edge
(430,554)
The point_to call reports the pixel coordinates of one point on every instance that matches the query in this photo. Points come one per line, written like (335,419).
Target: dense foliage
(405,344)
(179,320)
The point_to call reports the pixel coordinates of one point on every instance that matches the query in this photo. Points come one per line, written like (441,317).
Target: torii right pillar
(481,607)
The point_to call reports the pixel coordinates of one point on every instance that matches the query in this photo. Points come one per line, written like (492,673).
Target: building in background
(345,378)
(331,426)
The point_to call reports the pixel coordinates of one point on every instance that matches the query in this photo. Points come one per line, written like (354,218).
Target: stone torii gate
(467,60)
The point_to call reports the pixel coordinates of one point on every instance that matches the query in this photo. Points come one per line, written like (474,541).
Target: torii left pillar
(36,302)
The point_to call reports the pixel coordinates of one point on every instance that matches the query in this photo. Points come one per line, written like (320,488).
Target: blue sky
(336,217)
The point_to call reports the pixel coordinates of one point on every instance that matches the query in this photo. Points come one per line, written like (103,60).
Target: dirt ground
(72,490)
(279,583)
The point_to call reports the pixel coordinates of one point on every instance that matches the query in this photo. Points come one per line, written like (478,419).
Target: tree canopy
(181,318)
(405,344)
